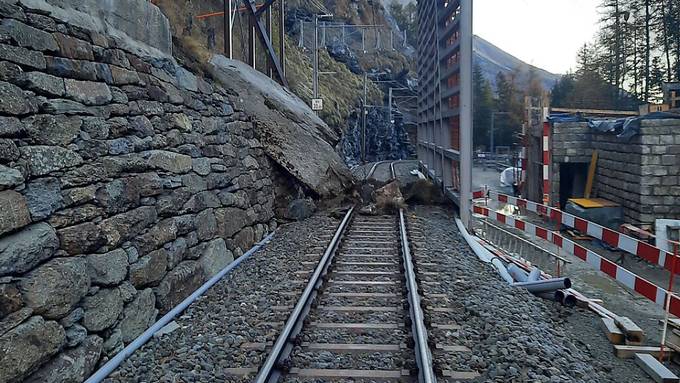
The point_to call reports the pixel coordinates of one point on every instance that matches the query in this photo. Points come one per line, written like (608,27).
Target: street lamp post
(491,135)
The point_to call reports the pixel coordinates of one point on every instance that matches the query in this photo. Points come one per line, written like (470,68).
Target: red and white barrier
(546,162)
(640,285)
(613,238)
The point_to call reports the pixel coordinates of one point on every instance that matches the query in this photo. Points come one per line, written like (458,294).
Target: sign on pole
(317,104)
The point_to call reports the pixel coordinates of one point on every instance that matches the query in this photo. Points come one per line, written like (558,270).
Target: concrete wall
(124,184)
(643,175)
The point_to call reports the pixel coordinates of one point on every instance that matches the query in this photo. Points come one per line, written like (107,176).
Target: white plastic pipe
(114,362)
(483,254)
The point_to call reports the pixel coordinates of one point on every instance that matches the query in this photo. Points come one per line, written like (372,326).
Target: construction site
(335,191)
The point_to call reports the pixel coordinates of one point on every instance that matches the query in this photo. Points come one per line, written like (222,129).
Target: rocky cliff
(126,180)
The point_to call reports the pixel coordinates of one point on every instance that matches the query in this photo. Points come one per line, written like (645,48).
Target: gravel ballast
(219,329)
(513,336)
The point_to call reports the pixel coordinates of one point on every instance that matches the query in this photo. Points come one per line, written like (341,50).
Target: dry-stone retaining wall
(125,182)
(643,174)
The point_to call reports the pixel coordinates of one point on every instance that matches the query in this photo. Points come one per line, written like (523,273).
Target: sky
(544,33)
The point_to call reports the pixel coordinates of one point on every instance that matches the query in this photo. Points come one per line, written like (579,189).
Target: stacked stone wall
(642,174)
(125,183)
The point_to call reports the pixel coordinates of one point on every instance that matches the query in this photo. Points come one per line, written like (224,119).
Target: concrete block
(657,371)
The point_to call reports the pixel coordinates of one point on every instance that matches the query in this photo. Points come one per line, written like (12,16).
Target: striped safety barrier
(611,237)
(546,162)
(640,285)
(478,194)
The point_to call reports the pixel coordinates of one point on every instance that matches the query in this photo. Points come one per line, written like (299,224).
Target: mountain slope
(493,59)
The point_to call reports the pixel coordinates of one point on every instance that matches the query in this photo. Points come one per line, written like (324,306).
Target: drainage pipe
(545,285)
(484,254)
(117,359)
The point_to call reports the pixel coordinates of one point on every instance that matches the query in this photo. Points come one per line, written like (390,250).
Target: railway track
(360,317)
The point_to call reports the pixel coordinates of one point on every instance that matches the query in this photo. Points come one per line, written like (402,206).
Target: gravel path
(218,330)
(513,336)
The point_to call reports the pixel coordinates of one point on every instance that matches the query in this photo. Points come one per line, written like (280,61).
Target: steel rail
(270,371)
(422,349)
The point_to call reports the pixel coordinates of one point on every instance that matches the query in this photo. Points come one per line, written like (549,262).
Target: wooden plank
(374,273)
(628,352)
(633,332)
(360,326)
(460,375)
(376,264)
(657,371)
(349,347)
(348,374)
(363,295)
(614,334)
(441,309)
(366,255)
(591,175)
(363,282)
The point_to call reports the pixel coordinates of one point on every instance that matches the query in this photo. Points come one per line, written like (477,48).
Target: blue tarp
(624,128)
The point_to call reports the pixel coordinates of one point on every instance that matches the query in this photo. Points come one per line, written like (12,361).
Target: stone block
(108,269)
(23,250)
(43,197)
(54,288)
(122,76)
(177,251)
(14,318)
(28,346)
(43,160)
(22,56)
(179,284)
(71,366)
(138,315)
(230,221)
(10,300)
(11,127)
(169,161)
(150,269)
(43,83)
(74,48)
(8,150)
(15,212)
(215,257)
(59,130)
(12,100)
(81,239)
(245,238)
(102,309)
(128,225)
(27,36)
(68,68)
(157,236)
(88,92)
(119,195)
(10,178)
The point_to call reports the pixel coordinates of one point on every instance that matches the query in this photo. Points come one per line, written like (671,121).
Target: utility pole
(315,74)
(228,26)
(364,110)
(389,105)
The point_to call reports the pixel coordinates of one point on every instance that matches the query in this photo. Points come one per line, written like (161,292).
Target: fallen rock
(289,131)
(300,209)
(23,250)
(72,366)
(28,346)
(54,288)
(388,198)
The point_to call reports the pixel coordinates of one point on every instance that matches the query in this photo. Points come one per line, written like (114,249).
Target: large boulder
(28,346)
(215,257)
(54,288)
(72,366)
(291,134)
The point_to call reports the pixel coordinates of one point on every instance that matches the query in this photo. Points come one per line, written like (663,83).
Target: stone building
(126,180)
(641,173)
